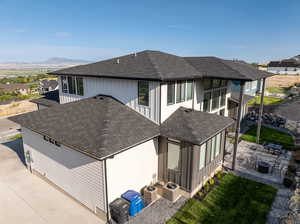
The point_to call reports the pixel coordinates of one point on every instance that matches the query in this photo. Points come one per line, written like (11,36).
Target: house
(136,120)
(49,99)
(285,67)
(48,85)
(15,87)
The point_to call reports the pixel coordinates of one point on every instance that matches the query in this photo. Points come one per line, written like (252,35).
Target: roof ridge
(152,62)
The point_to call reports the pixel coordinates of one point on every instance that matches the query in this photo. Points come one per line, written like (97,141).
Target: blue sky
(251,30)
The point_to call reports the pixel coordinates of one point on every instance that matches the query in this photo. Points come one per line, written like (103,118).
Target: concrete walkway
(27,199)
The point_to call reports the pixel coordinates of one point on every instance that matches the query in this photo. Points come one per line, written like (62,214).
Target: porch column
(238,123)
(261,108)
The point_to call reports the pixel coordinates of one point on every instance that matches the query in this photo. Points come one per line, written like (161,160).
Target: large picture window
(223,97)
(79,86)
(189,90)
(143,93)
(72,85)
(206,102)
(171,92)
(216,99)
(213,148)
(218,144)
(202,156)
(173,156)
(64,84)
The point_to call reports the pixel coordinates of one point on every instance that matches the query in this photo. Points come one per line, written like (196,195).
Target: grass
(234,200)
(269,135)
(15,137)
(281,90)
(267,100)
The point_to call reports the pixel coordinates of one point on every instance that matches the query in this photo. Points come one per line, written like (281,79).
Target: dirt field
(282,81)
(19,107)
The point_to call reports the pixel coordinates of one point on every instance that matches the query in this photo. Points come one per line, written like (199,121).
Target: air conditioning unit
(150,194)
(171,191)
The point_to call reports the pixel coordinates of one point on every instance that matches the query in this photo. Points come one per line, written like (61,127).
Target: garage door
(77,174)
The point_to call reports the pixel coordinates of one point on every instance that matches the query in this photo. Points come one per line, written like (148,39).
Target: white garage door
(77,174)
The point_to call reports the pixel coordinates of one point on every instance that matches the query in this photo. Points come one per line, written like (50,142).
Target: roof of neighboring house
(235,97)
(50,98)
(286,63)
(160,66)
(99,126)
(193,126)
(13,86)
(49,83)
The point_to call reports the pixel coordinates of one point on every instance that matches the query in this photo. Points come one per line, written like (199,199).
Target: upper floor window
(171,93)
(143,93)
(206,102)
(223,97)
(72,85)
(179,91)
(214,94)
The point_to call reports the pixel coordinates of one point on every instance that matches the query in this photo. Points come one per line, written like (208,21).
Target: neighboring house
(285,67)
(48,85)
(251,88)
(125,123)
(15,87)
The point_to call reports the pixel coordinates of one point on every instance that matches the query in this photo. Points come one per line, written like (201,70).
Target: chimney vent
(135,54)
(118,61)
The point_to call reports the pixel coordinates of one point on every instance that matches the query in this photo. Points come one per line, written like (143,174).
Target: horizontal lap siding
(124,90)
(77,174)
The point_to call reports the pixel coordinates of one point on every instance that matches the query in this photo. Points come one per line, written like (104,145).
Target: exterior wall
(124,90)
(132,169)
(199,177)
(284,70)
(78,175)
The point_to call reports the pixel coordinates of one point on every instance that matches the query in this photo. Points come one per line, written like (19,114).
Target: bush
(211,181)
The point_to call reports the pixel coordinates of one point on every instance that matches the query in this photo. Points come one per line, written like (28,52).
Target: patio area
(248,156)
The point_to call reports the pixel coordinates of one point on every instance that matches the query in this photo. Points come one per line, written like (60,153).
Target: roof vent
(118,61)
(135,54)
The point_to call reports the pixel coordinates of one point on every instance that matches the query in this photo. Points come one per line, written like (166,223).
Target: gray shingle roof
(235,97)
(156,65)
(193,126)
(212,67)
(98,126)
(50,99)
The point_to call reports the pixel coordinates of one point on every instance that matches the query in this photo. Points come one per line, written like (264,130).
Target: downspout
(238,124)
(261,109)
(106,194)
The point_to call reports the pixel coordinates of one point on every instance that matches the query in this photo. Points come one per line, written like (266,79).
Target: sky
(251,30)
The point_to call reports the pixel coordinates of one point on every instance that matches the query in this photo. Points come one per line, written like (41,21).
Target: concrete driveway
(27,199)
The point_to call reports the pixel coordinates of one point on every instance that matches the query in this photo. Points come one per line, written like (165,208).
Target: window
(64,84)
(180,92)
(79,86)
(224,83)
(216,99)
(71,85)
(173,156)
(206,102)
(218,144)
(207,84)
(223,97)
(213,148)
(202,156)
(216,83)
(143,93)
(189,90)
(171,93)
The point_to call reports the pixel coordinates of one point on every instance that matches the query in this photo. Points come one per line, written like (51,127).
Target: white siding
(132,169)
(124,90)
(80,176)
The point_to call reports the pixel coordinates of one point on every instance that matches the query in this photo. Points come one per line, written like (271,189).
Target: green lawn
(234,200)
(283,90)
(267,100)
(269,135)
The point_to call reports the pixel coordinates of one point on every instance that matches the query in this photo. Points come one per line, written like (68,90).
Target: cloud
(63,34)
(19,30)
(178,27)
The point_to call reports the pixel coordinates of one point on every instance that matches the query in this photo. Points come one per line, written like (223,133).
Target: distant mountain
(58,60)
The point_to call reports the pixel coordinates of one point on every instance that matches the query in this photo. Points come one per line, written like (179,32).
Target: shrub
(211,181)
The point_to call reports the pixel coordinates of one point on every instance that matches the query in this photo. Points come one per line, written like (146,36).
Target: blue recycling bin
(136,201)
